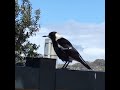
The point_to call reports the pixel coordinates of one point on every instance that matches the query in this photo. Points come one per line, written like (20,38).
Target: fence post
(46,71)
(47,74)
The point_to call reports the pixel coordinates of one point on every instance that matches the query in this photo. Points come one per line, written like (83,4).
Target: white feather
(58,36)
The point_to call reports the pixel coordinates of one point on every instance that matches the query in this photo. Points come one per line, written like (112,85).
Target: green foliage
(26,25)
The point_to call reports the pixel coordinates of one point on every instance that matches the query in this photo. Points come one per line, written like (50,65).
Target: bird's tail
(84,63)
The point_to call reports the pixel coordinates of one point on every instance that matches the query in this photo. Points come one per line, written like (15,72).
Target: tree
(26,25)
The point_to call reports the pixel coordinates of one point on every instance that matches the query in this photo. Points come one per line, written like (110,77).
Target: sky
(82,22)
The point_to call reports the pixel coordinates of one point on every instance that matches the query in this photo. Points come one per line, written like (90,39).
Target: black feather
(65,50)
(68,48)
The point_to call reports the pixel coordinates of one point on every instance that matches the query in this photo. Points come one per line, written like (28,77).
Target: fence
(41,74)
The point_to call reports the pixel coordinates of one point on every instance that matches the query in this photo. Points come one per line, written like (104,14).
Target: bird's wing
(65,45)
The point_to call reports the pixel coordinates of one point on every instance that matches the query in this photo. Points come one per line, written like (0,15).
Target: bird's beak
(45,36)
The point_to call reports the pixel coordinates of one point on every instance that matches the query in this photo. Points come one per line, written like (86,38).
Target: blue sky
(59,11)
(80,21)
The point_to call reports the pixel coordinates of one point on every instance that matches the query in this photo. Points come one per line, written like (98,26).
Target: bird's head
(53,36)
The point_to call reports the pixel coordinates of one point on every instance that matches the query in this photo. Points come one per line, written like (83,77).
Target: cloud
(39,40)
(78,47)
(93,53)
(87,38)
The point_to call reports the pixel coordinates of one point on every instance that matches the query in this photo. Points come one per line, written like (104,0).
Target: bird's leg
(64,64)
(67,64)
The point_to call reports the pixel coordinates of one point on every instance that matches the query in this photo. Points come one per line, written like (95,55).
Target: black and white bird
(65,50)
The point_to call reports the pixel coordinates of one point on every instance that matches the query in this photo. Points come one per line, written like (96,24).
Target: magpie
(65,50)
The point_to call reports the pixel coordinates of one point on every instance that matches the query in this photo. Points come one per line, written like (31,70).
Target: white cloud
(93,53)
(39,40)
(87,38)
